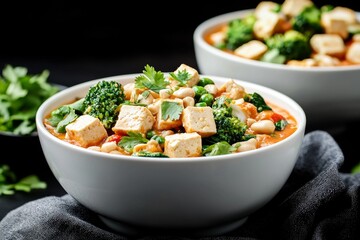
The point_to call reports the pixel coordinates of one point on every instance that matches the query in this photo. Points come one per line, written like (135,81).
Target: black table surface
(86,42)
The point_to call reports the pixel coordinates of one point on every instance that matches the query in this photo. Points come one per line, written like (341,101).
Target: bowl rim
(213,22)
(44,109)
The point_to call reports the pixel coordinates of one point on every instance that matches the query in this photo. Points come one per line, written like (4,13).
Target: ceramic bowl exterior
(171,193)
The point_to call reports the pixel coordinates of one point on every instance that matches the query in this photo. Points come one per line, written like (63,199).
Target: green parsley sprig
(182,76)
(21,94)
(151,79)
(171,110)
(9,183)
(130,141)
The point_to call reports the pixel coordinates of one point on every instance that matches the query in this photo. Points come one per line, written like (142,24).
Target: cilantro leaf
(219,148)
(150,154)
(130,141)
(281,124)
(257,100)
(21,94)
(151,79)
(171,110)
(182,76)
(9,183)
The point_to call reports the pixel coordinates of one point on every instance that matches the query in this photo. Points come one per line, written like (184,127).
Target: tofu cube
(194,74)
(183,145)
(128,88)
(353,53)
(168,123)
(325,60)
(328,44)
(86,131)
(251,50)
(292,8)
(141,96)
(356,37)
(243,110)
(334,25)
(218,38)
(267,25)
(199,120)
(346,14)
(264,8)
(135,119)
(232,90)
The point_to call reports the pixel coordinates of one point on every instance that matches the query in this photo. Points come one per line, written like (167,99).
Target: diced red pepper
(277,117)
(114,138)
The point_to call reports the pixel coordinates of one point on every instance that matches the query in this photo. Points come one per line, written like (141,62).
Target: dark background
(78,42)
(89,40)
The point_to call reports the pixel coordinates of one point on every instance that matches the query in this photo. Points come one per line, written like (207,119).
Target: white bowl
(202,195)
(327,94)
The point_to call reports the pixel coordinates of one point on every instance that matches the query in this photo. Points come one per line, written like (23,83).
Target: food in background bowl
(328,95)
(296,33)
(183,195)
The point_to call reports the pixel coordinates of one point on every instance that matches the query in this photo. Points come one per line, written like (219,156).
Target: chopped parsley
(257,100)
(9,183)
(150,154)
(151,79)
(219,148)
(280,125)
(130,141)
(21,94)
(171,110)
(182,76)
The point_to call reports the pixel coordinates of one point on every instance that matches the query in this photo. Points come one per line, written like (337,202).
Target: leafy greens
(21,94)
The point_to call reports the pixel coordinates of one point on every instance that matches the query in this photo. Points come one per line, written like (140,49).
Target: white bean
(184,92)
(188,101)
(128,88)
(165,93)
(247,145)
(94,148)
(108,147)
(263,127)
(212,89)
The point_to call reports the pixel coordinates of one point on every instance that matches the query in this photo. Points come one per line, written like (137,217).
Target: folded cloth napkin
(317,202)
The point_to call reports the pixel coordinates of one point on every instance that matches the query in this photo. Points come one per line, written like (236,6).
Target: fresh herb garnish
(130,141)
(21,94)
(182,76)
(219,148)
(150,154)
(281,124)
(9,183)
(257,100)
(151,79)
(66,114)
(171,110)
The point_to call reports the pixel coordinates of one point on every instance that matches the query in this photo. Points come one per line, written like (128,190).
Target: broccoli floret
(239,31)
(228,128)
(292,45)
(103,101)
(308,21)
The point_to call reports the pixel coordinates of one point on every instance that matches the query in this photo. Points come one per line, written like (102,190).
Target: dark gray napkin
(317,202)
